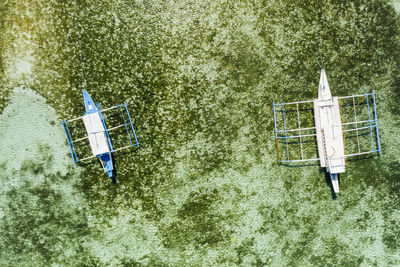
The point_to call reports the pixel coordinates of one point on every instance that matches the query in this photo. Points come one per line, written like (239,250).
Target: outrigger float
(329,130)
(98,134)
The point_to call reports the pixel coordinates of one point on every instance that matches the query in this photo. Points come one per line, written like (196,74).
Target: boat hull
(106,162)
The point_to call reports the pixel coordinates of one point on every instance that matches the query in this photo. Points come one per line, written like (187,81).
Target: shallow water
(199,80)
(396,4)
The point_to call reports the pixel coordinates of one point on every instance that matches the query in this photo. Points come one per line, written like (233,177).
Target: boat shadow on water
(113,179)
(329,182)
(328,178)
(294,165)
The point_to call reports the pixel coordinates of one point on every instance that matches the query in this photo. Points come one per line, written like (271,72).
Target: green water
(199,78)
(396,4)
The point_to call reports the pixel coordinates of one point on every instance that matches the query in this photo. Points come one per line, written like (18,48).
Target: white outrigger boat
(329,130)
(98,134)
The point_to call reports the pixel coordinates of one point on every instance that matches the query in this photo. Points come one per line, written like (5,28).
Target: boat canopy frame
(283,134)
(128,124)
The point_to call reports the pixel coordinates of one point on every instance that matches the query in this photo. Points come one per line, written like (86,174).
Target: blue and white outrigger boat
(98,134)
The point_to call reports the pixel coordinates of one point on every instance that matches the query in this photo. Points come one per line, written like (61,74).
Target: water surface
(199,79)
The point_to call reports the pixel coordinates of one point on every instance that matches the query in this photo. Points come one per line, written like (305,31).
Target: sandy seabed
(204,189)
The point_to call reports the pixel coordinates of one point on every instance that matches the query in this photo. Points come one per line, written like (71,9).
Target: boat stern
(106,162)
(335,182)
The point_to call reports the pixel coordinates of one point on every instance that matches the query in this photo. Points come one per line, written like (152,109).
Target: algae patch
(204,189)
(43,216)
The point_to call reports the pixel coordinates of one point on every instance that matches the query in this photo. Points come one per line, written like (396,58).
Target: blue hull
(106,162)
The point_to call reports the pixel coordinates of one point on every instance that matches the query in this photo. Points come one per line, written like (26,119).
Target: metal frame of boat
(98,133)
(336,140)
(285,133)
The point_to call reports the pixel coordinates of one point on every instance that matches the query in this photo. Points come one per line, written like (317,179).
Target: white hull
(329,131)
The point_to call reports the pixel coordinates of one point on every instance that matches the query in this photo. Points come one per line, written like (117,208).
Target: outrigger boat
(98,134)
(329,129)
